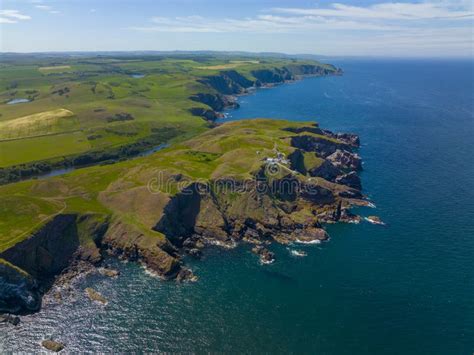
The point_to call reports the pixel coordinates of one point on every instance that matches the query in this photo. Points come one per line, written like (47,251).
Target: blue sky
(431,28)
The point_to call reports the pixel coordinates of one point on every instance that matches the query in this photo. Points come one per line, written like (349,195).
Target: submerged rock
(53,345)
(186,275)
(8,318)
(95,296)
(109,272)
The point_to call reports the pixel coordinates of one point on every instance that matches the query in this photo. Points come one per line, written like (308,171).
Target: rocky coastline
(229,84)
(192,220)
(316,183)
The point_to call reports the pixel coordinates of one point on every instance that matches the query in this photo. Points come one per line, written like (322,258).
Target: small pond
(17,101)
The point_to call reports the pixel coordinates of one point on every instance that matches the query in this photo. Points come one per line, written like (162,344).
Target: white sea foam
(151,273)
(227,245)
(299,253)
(266,262)
(373,221)
(314,241)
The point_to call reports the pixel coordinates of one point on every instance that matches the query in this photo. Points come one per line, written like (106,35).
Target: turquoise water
(402,289)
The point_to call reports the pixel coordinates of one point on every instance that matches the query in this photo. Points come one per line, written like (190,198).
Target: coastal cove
(370,289)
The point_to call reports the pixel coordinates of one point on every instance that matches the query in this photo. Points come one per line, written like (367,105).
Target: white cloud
(388,11)
(12,16)
(47,8)
(259,24)
(379,17)
(43,7)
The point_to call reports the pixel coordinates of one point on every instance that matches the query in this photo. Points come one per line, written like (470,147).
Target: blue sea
(407,288)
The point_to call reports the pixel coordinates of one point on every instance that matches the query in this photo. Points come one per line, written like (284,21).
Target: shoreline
(342,184)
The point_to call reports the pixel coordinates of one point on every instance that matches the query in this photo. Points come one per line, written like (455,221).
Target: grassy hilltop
(99,104)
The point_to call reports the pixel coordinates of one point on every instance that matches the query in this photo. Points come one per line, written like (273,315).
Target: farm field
(61,106)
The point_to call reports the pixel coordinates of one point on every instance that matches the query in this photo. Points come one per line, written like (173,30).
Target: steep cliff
(231,82)
(19,292)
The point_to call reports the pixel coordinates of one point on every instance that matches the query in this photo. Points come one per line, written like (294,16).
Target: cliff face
(48,251)
(228,82)
(125,241)
(231,82)
(283,205)
(28,269)
(19,292)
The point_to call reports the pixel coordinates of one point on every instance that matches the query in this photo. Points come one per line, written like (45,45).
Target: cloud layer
(396,26)
(12,16)
(379,17)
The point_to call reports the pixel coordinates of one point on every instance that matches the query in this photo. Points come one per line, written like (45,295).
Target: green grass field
(91,91)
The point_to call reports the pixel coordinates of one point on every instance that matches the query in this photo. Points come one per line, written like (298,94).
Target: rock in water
(266,256)
(8,318)
(95,296)
(109,272)
(311,235)
(186,275)
(375,220)
(52,345)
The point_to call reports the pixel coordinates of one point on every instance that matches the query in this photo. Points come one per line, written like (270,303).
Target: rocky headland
(256,182)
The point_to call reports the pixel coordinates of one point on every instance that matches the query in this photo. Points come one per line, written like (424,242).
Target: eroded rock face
(207,114)
(349,138)
(326,170)
(217,102)
(350,179)
(322,145)
(127,242)
(345,160)
(272,76)
(19,292)
(227,83)
(48,251)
